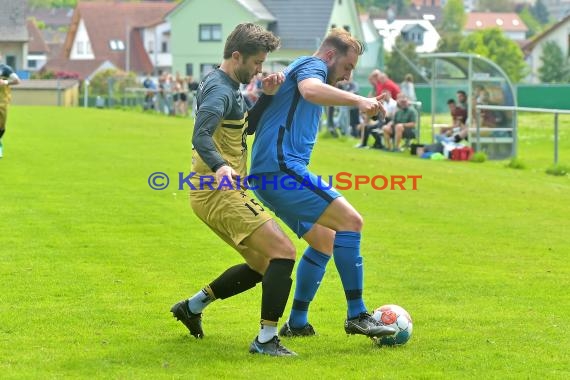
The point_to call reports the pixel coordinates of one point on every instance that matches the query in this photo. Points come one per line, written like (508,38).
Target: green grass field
(92,259)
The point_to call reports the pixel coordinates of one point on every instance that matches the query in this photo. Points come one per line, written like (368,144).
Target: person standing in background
(8,78)
(408,88)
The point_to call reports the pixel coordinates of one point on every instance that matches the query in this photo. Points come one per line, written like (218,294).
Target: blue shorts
(298,197)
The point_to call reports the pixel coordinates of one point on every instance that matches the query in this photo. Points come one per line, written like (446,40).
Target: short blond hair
(342,41)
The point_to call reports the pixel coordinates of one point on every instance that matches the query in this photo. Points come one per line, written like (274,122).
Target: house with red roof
(124,35)
(55,22)
(37,48)
(510,23)
(558,33)
(200,28)
(13,34)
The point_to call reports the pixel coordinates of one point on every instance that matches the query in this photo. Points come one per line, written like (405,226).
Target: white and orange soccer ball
(394,316)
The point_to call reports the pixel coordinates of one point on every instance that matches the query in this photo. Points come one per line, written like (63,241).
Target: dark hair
(249,39)
(462,93)
(341,40)
(451,101)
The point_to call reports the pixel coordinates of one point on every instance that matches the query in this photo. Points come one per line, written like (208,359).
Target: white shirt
(391,106)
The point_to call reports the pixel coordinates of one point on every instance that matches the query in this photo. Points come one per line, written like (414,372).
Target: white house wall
(516,36)
(391,31)
(81,49)
(560,37)
(153,39)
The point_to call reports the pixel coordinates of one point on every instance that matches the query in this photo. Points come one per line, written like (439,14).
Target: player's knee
(355,221)
(260,266)
(287,250)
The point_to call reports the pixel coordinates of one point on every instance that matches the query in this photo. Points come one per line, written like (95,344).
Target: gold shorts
(233,215)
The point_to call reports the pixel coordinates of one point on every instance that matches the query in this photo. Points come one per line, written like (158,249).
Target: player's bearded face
(249,67)
(341,66)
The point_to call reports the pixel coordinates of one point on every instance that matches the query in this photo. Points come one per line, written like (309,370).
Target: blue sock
(310,272)
(349,265)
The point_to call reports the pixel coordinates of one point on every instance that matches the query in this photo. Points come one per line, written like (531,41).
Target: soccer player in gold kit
(220,154)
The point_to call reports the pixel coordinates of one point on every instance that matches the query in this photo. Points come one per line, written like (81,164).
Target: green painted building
(199,29)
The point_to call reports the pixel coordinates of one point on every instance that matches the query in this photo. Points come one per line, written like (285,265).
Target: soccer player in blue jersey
(284,140)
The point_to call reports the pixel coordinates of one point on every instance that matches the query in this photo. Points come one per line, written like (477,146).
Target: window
(189,69)
(164,47)
(205,68)
(80,48)
(32,63)
(11,61)
(150,47)
(210,32)
(116,45)
(88,48)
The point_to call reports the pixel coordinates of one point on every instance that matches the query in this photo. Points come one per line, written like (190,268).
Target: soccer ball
(394,316)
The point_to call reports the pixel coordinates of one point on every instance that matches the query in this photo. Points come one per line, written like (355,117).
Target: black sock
(235,280)
(2,132)
(276,287)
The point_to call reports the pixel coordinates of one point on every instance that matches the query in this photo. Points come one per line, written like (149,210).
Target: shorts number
(256,205)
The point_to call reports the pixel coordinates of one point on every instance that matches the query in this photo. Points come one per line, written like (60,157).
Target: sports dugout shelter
(485,83)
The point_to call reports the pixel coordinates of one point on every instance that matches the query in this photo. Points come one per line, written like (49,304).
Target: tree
(530,21)
(396,65)
(540,12)
(495,6)
(53,3)
(454,17)
(554,68)
(492,44)
(449,42)
(399,5)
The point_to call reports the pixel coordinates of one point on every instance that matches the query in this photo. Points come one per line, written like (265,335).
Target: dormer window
(116,45)
(414,34)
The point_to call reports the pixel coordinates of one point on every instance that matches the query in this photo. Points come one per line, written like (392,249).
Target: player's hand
(4,82)
(381,110)
(372,106)
(271,83)
(230,174)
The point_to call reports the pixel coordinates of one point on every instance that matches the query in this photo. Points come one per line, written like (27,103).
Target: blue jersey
(288,129)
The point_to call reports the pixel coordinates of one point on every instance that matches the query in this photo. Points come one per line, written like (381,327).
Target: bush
(112,80)
(558,170)
(515,163)
(479,157)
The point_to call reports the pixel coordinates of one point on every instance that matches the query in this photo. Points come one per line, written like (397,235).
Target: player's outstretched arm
(270,86)
(255,113)
(317,92)
(271,83)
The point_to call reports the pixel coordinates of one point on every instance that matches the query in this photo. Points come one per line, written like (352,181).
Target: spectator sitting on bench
(403,125)
(457,131)
(370,126)
(366,128)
